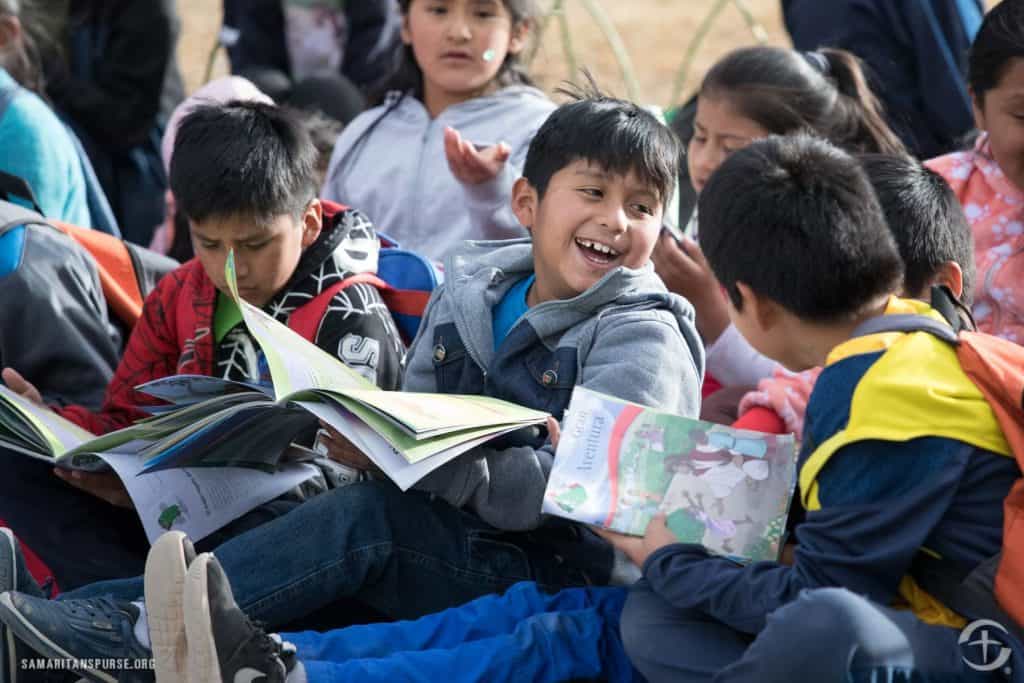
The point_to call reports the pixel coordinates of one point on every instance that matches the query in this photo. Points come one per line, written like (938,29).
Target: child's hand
(104,485)
(685,271)
(636,549)
(340,449)
(470,165)
(554,432)
(21,386)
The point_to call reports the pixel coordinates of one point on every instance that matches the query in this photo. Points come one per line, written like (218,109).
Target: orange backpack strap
(116,270)
(305,320)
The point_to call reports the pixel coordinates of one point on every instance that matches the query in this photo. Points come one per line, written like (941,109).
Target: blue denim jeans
(403,554)
(523,635)
(825,635)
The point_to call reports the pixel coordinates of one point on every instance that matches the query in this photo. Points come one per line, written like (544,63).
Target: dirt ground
(656,34)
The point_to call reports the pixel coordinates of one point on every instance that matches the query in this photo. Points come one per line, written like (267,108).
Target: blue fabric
(12,245)
(35,146)
(511,307)
(858,641)
(523,635)
(403,554)
(916,53)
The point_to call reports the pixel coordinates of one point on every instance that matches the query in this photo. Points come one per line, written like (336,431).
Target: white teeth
(597,246)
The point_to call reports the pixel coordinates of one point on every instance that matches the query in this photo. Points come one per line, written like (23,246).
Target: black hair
(242,159)
(617,135)
(796,220)
(999,41)
(40,27)
(925,217)
(408,77)
(824,93)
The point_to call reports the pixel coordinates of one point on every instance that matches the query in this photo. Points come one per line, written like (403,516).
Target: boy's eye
(437,9)
(257,245)
(592,192)
(644,209)
(206,244)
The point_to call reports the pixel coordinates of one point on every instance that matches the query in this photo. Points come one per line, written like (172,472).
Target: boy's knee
(644,617)
(824,610)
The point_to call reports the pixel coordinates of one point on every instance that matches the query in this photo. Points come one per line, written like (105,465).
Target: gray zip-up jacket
(626,336)
(390,162)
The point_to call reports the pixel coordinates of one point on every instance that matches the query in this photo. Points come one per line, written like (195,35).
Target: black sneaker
(223,645)
(92,638)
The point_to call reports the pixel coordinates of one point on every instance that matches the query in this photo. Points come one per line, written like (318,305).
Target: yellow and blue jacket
(901,455)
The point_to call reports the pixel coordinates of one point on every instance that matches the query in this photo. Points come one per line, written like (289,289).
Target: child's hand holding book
(638,549)
(21,386)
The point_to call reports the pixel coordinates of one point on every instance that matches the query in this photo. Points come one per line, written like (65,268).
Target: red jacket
(173,336)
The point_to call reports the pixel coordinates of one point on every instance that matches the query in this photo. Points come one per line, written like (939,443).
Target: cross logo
(993,654)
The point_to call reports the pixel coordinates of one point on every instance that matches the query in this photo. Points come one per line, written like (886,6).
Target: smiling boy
(521,321)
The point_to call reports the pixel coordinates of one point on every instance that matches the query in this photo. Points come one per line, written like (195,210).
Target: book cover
(618,464)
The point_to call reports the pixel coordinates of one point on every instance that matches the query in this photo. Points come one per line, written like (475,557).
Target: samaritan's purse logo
(983,651)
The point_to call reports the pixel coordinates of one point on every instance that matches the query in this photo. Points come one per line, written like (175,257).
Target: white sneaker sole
(203,665)
(166,567)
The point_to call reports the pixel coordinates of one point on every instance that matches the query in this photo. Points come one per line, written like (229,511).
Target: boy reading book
(524,321)
(903,459)
(245,176)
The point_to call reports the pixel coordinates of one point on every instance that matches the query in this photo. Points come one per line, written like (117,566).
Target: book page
(200,500)
(618,464)
(189,389)
(59,434)
(295,364)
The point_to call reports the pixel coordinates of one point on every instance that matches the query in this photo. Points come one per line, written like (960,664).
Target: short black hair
(796,220)
(242,159)
(998,42)
(617,135)
(925,217)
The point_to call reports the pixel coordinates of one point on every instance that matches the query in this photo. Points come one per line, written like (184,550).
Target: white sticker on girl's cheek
(488,55)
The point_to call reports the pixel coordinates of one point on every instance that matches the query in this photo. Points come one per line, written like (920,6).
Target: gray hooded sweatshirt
(626,336)
(390,164)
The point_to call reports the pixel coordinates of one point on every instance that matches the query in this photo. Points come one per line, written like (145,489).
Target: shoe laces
(95,606)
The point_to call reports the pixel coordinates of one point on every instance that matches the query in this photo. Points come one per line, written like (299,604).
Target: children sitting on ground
(989,179)
(933,241)
(434,163)
(525,321)
(244,176)
(749,94)
(935,244)
(904,464)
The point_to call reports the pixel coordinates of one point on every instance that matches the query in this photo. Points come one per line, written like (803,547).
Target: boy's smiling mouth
(596,252)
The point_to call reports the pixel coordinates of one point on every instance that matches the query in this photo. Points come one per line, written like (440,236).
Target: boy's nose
(616,220)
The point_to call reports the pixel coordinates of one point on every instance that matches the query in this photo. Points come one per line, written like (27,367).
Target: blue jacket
(916,51)
(35,146)
(902,456)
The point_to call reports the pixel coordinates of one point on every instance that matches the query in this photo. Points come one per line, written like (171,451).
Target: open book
(618,464)
(214,423)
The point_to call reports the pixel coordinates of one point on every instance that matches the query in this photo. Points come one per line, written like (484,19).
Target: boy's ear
(520,35)
(951,275)
(524,202)
(762,310)
(312,222)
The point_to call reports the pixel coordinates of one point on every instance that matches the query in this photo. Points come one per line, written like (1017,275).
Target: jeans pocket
(491,555)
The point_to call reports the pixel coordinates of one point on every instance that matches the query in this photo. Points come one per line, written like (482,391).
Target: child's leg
(866,642)
(669,644)
(551,646)
(485,617)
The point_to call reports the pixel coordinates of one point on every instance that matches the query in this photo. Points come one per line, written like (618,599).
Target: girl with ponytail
(749,94)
